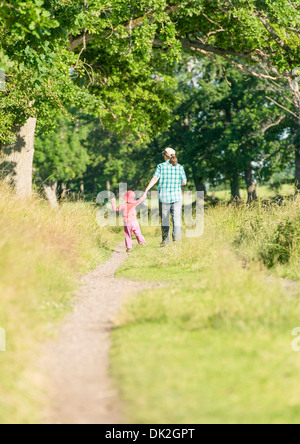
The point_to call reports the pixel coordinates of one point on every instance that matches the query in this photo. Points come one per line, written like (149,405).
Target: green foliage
(237,26)
(270,233)
(82,150)
(60,155)
(284,243)
(224,123)
(23,18)
(121,67)
(118,64)
(221,122)
(34,53)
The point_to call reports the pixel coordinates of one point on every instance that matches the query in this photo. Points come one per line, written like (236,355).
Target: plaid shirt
(170,178)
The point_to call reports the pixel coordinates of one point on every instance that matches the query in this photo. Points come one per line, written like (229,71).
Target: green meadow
(213,344)
(42,255)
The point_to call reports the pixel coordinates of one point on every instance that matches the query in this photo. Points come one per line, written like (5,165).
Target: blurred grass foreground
(214,344)
(42,253)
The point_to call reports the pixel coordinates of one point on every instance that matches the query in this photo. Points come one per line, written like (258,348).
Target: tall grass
(214,344)
(42,253)
(267,232)
(264,192)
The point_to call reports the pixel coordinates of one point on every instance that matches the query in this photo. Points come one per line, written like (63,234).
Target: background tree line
(224,128)
(119,64)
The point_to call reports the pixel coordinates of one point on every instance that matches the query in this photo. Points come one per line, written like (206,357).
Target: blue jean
(175,209)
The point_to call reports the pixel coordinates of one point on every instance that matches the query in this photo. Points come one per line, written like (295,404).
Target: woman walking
(171,177)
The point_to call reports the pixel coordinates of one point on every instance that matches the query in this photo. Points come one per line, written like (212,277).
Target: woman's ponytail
(174,161)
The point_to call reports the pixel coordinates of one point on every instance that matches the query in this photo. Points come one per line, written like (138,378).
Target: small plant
(248,230)
(286,240)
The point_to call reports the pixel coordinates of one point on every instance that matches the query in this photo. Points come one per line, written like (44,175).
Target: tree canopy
(116,59)
(61,155)
(224,128)
(103,53)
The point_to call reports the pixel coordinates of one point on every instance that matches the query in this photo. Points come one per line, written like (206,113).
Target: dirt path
(81,391)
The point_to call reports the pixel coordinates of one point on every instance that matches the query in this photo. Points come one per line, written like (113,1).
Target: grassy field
(42,253)
(264,192)
(214,345)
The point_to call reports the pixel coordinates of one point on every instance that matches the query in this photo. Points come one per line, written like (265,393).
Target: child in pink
(131,224)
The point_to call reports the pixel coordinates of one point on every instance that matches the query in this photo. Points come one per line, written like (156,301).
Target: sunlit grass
(42,253)
(214,344)
(263,191)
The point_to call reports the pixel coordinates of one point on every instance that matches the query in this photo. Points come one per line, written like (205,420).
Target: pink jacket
(128,209)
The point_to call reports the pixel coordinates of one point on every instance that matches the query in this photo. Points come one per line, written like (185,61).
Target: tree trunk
(50,192)
(235,187)
(16,160)
(93,185)
(251,185)
(200,185)
(297,143)
(82,188)
(297,168)
(63,193)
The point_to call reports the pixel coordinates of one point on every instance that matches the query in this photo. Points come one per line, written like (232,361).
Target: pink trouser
(133,227)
